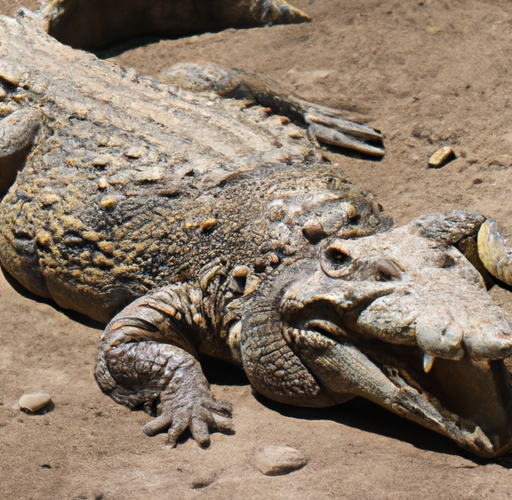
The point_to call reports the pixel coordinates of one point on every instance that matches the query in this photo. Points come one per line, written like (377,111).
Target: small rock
(441,157)
(508,137)
(503,160)
(31,403)
(278,460)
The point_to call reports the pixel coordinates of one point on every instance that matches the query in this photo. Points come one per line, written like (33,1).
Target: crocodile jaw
(466,400)
(469,401)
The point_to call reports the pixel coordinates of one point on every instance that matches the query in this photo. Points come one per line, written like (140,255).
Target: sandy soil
(429,74)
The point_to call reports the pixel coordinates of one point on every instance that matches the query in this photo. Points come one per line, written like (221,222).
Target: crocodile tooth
(428,362)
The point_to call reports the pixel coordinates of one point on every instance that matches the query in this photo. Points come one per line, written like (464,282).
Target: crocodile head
(403,319)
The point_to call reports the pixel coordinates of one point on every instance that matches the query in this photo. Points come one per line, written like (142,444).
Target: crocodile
(197,214)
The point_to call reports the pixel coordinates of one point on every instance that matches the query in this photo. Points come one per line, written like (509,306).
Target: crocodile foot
(328,127)
(198,412)
(325,125)
(99,24)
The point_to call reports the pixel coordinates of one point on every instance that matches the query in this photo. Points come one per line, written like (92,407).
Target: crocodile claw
(281,12)
(336,131)
(201,414)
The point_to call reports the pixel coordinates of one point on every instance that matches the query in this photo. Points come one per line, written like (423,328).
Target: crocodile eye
(337,258)
(337,262)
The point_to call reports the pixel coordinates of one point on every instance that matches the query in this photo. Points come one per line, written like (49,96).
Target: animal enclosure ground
(428,74)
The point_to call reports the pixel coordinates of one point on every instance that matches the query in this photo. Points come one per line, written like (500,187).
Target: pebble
(441,157)
(507,137)
(31,403)
(279,460)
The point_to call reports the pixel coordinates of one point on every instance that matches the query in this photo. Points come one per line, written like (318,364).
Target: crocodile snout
(439,336)
(490,342)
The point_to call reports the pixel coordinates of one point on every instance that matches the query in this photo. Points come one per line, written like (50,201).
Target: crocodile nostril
(387,270)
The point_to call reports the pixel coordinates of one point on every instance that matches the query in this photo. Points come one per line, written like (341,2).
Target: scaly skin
(219,229)
(144,223)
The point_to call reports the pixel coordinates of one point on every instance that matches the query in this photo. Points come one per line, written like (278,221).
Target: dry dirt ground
(428,73)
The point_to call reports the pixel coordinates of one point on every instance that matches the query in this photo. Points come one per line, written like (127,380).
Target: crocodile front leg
(147,357)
